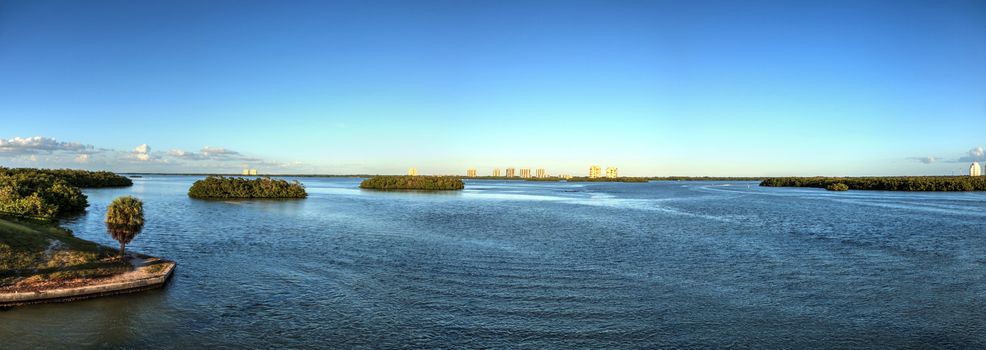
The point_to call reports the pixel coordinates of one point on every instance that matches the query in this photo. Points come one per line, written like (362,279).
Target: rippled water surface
(539,265)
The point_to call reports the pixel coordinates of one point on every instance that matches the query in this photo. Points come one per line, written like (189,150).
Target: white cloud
(975,154)
(39,144)
(142,153)
(218,151)
(177,153)
(925,160)
(213,153)
(48,152)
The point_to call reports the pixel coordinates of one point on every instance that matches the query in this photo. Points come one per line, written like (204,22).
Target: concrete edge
(85,292)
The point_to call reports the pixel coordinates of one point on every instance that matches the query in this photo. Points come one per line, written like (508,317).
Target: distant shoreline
(890,183)
(917,183)
(514,178)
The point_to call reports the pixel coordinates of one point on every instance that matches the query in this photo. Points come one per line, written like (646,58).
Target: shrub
(430,183)
(39,196)
(219,187)
(837,187)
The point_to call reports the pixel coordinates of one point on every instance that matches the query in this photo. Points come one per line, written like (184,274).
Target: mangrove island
(220,187)
(405,182)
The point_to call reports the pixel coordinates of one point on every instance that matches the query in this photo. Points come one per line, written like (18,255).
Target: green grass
(25,256)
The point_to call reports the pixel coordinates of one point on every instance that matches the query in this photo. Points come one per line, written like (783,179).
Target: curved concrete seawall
(109,286)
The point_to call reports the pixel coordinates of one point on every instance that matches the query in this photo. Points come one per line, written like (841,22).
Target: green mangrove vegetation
(220,187)
(705,178)
(77,178)
(548,179)
(900,183)
(43,194)
(404,182)
(837,187)
(39,196)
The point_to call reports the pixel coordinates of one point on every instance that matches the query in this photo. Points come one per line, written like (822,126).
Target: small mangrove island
(220,187)
(405,182)
(898,183)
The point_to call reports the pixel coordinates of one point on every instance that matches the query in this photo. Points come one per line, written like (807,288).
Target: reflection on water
(539,265)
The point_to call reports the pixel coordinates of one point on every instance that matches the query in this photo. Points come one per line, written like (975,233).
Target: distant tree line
(905,183)
(220,187)
(77,178)
(549,179)
(704,178)
(607,179)
(515,178)
(413,183)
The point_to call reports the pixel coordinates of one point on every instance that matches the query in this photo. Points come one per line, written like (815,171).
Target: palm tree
(124,220)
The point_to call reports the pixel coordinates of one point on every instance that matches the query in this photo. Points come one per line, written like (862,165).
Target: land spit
(148,273)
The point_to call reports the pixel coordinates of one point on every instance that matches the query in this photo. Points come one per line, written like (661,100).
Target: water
(538,265)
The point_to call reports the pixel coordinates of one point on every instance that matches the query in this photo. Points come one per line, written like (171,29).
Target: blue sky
(652,87)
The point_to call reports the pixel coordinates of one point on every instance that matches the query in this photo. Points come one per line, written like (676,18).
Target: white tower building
(975,170)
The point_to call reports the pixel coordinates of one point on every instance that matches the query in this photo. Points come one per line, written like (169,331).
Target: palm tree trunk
(122,246)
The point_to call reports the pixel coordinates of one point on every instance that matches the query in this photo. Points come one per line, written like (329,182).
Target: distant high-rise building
(496,172)
(471,173)
(595,171)
(412,172)
(541,173)
(975,170)
(246,172)
(510,172)
(253,172)
(565,176)
(611,172)
(525,173)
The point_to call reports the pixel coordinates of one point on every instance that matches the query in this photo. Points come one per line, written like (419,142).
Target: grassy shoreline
(34,253)
(43,257)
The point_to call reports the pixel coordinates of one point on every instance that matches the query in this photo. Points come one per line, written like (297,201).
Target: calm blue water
(539,265)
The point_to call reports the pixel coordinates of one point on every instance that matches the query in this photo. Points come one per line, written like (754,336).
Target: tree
(124,220)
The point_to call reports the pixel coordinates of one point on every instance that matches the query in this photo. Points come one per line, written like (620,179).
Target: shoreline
(149,273)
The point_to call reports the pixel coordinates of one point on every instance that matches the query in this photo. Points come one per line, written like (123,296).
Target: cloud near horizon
(925,160)
(975,154)
(21,146)
(48,152)
(215,154)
